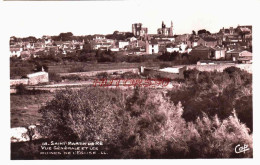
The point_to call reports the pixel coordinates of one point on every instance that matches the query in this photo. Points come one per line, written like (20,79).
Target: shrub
(19,71)
(213,138)
(129,75)
(21,89)
(54,77)
(141,124)
(73,77)
(165,65)
(102,75)
(77,68)
(88,114)
(216,93)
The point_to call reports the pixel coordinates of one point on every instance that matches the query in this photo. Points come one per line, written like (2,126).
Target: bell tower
(171,29)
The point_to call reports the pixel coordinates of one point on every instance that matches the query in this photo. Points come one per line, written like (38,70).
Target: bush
(79,115)
(102,75)
(21,89)
(19,71)
(142,124)
(213,138)
(73,77)
(216,93)
(78,68)
(54,77)
(165,65)
(129,75)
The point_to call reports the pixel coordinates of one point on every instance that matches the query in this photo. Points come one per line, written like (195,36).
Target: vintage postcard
(131,79)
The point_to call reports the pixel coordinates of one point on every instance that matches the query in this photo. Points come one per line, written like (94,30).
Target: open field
(61,68)
(86,66)
(24,108)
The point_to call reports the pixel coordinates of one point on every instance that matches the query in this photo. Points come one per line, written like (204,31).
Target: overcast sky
(104,17)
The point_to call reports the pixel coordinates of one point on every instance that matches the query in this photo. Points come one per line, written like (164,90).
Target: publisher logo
(241,148)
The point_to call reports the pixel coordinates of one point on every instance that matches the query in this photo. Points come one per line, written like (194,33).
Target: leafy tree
(203,31)
(66,36)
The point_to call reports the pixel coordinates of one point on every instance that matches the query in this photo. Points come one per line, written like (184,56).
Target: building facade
(138,30)
(166,31)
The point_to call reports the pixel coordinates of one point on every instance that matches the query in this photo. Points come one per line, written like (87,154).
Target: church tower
(171,29)
(163,25)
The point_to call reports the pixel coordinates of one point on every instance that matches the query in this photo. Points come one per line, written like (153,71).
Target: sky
(104,17)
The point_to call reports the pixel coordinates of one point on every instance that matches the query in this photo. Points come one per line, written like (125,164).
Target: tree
(87,48)
(203,31)
(141,124)
(66,36)
(87,115)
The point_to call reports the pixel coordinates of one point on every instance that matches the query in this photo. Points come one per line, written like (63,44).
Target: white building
(122,44)
(15,52)
(99,37)
(173,49)
(152,47)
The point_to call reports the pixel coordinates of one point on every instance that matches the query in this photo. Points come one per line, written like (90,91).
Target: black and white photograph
(130,79)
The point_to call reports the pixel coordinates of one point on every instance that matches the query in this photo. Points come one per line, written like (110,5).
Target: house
(204,52)
(209,42)
(241,56)
(122,44)
(47,40)
(97,37)
(136,51)
(201,52)
(114,49)
(217,53)
(205,41)
(102,45)
(173,49)
(152,47)
(15,51)
(194,41)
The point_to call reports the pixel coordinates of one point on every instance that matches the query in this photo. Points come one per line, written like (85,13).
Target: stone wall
(15,82)
(94,73)
(32,79)
(220,67)
(38,77)
(20,134)
(156,73)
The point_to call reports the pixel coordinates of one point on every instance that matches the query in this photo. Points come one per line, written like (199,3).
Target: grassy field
(70,67)
(62,68)
(24,108)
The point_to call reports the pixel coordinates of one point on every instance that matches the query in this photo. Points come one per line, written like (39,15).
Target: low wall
(220,67)
(15,82)
(94,73)
(38,77)
(32,79)
(20,134)
(157,73)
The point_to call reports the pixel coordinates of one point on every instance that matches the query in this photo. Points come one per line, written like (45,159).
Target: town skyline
(119,16)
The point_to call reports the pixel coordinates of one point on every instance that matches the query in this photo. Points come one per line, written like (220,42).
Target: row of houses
(218,53)
(204,45)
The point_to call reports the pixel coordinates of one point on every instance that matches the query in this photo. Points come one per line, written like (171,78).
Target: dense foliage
(216,93)
(142,124)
